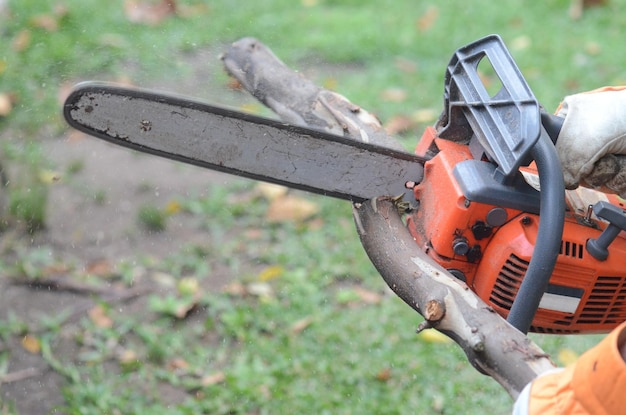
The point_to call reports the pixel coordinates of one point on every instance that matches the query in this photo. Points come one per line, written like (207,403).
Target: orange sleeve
(595,384)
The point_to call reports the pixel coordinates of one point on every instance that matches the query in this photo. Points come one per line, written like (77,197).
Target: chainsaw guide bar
(193,132)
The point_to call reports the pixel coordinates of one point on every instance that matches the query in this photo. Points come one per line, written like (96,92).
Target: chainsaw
(483,192)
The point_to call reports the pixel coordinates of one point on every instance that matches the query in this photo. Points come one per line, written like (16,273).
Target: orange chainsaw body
(490,247)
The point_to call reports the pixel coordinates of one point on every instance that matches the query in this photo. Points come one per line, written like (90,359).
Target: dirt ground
(83,232)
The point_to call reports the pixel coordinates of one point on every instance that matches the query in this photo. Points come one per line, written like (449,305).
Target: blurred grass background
(319,335)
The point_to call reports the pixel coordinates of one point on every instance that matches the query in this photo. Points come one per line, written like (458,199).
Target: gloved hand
(592,141)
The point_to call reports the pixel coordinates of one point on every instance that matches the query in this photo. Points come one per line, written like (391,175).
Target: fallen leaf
(177,363)
(290,209)
(369,297)
(300,325)
(55,269)
(521,43)
(236,289)
(394,95)
(399,124)
(593,48)
(253,234)
(99,316)
(21,41)
(191,10)
(50,22)
(427,20)
(164,279)
(213,379)
(99,268)
(578,6)
(47,22)
(425,115)
(384,375)
(127,357)
(270,273)
(188,286)
(271,191)
(405,65)
(184,308)
(6,105)
(31,344)
(49,176)
(434,336)
(260,289)
(149,13)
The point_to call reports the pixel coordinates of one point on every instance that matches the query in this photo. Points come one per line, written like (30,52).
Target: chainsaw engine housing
(489,246)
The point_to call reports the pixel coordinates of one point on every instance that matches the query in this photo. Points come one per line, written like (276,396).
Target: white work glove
(592,142)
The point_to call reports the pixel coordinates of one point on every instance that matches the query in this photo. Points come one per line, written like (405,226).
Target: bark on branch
(492,345)
(296,99)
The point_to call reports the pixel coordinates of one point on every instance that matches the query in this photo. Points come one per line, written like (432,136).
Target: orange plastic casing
(585,294)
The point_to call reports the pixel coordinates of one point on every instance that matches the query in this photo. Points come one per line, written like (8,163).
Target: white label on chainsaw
(562,303)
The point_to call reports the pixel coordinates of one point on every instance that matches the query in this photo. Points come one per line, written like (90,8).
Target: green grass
(304,341)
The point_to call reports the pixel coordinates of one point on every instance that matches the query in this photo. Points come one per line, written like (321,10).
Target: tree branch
(296,99)
(492,345)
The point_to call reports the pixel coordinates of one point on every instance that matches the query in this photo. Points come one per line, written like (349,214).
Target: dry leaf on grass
(48,176)
(425,115)
(394,95)
(177,364)
(147,12)
(50,22)
(99,316)
(236,289)
(270,273)
(300,325)
(127,356)
(271,191)
(434,336)
(260,289)
(403,123)
(384,375)
(31,344)
(399,124)
(6,104)
(367,296)
(405,65)
(99,268)
(428,19)
(213,379)
(290,208)
(188,286)
(21,41)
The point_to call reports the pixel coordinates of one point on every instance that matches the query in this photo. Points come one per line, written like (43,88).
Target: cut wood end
(434,311)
